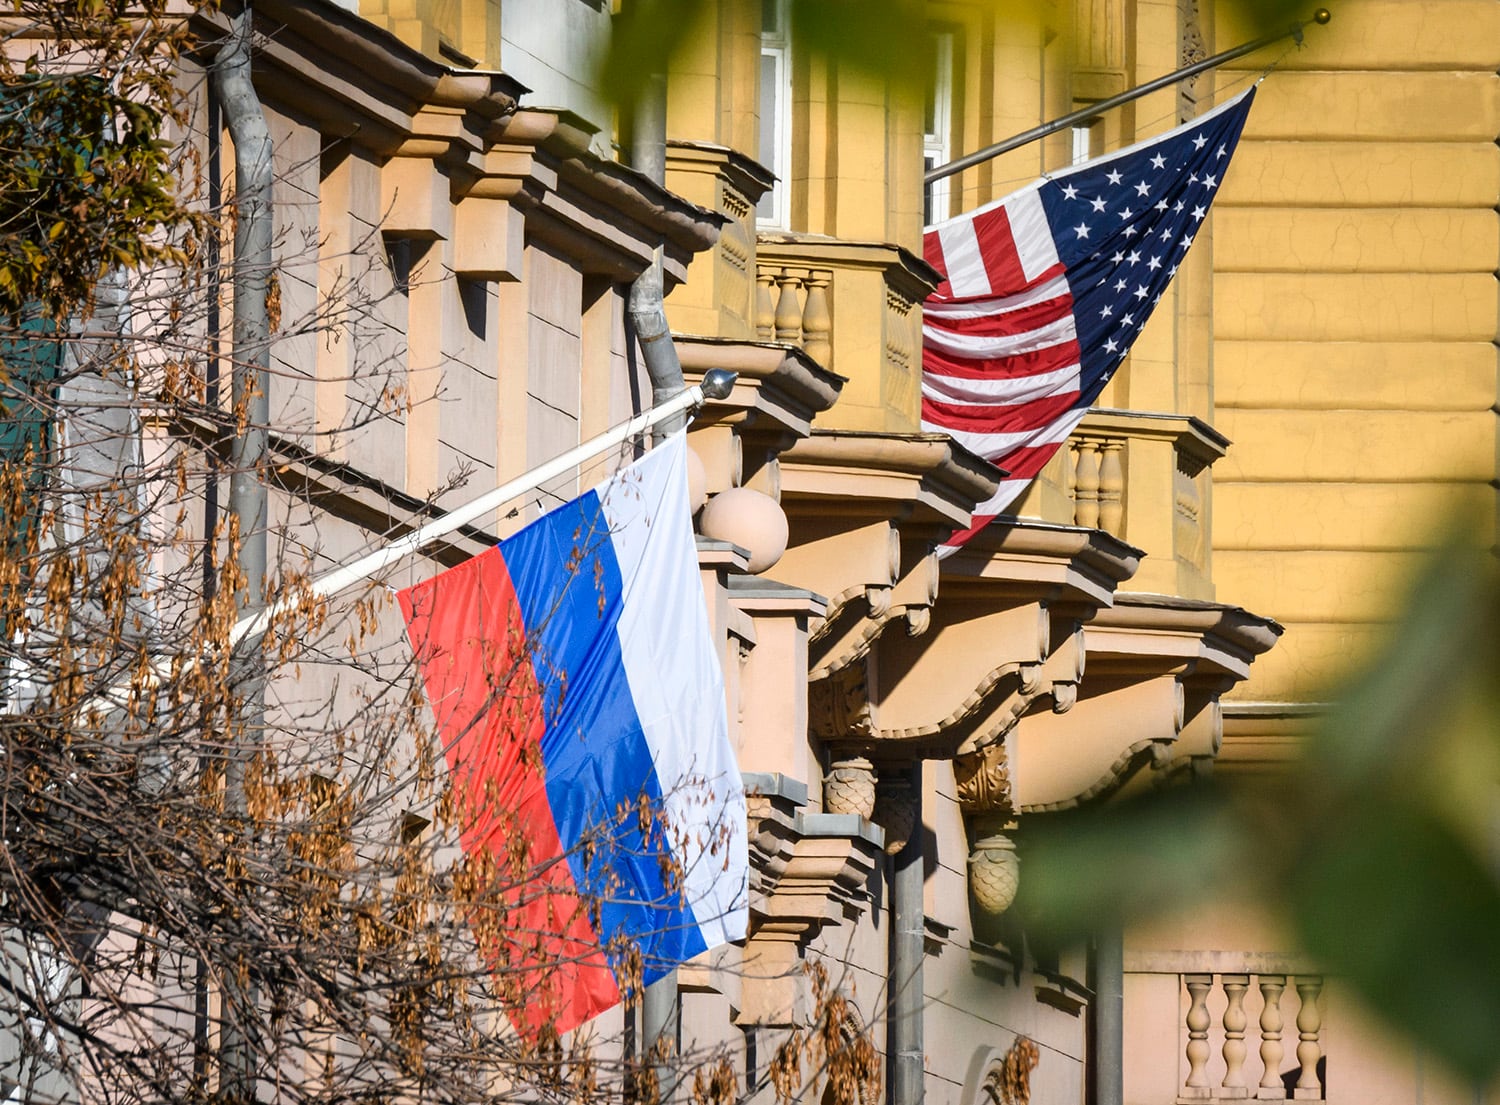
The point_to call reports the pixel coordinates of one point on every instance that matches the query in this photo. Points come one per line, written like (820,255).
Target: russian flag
(580,704)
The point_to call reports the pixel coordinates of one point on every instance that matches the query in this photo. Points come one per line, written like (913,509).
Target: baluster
(1112,487)
(788,309)
(1234,1036)
(1086,486)
(1197,1048)
(1309,1021)
(817,323)
(1070,469)
(1271,1087)
(765,305)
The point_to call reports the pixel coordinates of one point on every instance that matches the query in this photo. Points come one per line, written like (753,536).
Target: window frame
(774,207)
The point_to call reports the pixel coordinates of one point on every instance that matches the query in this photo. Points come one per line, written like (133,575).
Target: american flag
(1044,292)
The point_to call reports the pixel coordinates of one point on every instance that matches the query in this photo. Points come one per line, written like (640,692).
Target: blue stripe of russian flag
(607,668)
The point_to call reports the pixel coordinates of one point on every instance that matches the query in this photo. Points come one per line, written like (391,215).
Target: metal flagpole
(717,384)
(1320,17)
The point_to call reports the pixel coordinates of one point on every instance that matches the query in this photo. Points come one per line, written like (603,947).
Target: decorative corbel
(984,795)
(839,705)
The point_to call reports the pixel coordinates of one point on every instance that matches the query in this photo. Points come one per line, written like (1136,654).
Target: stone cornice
(905,273)
(746,176)
(776,381)
(995,636)
(1198,444)
(341,490)
(917,477)
(557,142)
(866,511)
(1144,634)
(1041,560)
(358,80)
(1059,761)
(1156,667)
(757,595)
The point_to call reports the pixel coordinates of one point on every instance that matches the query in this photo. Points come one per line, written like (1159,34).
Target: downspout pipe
(648,317)
(904,1039)
(660,1008)
(250,354)
(1109,1016)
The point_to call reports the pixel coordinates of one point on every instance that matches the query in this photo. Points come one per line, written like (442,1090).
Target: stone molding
(905,273)
(808,870)
(1197,444)
(356,81)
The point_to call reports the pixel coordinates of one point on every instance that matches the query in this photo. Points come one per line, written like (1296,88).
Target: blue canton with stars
(1122,225)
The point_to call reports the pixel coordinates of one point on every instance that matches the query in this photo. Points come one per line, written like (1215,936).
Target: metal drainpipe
(648,318)
(1109,1016)
(660,1008)
(904,1038)
(253,170)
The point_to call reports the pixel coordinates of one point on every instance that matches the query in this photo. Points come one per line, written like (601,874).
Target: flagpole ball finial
(718,383)
(1322,16)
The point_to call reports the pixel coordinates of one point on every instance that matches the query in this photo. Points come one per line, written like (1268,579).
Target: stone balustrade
(1143,477)
(1300,1041)
(791,305)
(1095,472)
(855,308)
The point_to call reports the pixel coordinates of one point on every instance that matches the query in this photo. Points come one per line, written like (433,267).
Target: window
(937,126)
(775,153)
(1088,140)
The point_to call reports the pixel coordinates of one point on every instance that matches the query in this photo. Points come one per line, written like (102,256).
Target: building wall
(1352,264)
(1355,307)
(553,47)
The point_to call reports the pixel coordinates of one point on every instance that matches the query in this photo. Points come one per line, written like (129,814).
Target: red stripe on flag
(932,253)
(466,630)
(962,536)
(997,247)
(998,418)
(1029,460)
(1007,323)
(1050,358)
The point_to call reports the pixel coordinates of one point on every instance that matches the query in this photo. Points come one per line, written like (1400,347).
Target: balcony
(1247,1027)
(1142,477)
(855,308)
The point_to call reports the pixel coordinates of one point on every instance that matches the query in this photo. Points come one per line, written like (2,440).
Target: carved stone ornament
(839,704)
(849,787)
(895,812)
(994,873)
(983,781)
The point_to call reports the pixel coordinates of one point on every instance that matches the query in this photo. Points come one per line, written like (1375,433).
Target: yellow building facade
(1317,388)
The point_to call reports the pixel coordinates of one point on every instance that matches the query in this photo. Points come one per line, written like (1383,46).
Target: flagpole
(716,384)
(1320,17)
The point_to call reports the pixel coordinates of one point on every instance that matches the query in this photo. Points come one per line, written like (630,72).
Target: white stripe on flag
(1007,345)
(1012,390)
(1033,237)
(1055,288)
(992,446)
(966,275)
(1006,494)
(677,685)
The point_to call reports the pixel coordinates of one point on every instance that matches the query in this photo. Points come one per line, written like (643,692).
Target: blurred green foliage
(1382,844)
(883,37)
